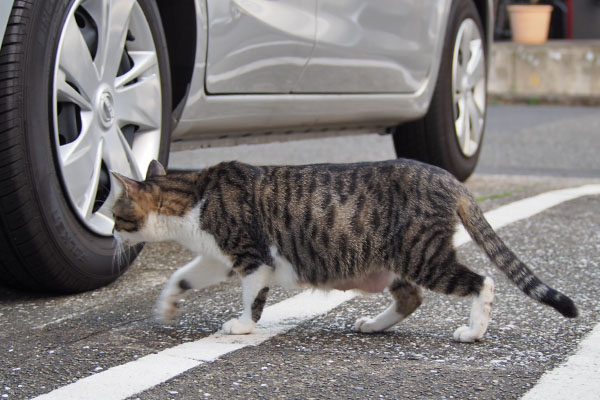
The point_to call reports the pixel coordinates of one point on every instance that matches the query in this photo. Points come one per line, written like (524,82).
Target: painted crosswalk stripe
(125,380)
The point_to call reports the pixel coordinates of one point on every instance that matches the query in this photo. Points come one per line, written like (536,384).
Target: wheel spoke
(119,157)
(87,203)
(81,161)
(476,65)
(459,75)
(475,116)
(137,104)
(112,19)
(473,108)
(76,61)
(469,146)
(146,147)
(143,62)
(67,93)
(98,10)
(103,219)
(461,123)
(465,41)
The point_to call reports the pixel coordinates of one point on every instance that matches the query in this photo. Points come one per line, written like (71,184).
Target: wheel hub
(106,108)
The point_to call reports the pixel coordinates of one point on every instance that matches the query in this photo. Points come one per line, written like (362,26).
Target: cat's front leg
(255,287)
(199,273)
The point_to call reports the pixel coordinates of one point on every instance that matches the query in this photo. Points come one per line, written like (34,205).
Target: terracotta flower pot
(529,23)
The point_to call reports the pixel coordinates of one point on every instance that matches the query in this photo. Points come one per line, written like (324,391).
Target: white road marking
(528,207)
(136,376)
(578,378)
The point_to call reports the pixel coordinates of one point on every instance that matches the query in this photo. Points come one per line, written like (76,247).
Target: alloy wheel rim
(468,87)
(106,104)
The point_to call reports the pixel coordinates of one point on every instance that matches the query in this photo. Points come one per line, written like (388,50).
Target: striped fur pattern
(362,226)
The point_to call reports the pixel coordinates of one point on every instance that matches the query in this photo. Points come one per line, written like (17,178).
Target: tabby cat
(363,226)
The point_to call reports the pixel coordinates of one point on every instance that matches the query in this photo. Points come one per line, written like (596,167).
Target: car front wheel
(85,91)
(451,132)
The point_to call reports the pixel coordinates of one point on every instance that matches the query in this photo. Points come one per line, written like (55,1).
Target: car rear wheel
(85,91)
(451,132)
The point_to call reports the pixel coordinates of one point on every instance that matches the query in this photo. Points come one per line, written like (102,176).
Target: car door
(373,46)
(258,46)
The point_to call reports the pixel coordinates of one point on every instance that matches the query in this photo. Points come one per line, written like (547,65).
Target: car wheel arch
(179,20)
(485,9)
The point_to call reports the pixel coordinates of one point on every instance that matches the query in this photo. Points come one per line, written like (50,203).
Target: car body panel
(258,46)
(5,8)
(235,115)
(374,46)
(205,115)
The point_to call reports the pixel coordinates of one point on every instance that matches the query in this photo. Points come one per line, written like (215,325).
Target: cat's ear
(129,185)
(155,169)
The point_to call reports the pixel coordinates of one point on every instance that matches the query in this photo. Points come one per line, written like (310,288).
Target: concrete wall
(556,71)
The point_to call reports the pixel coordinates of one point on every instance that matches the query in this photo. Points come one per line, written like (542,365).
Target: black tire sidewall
(445,150)
(83,259)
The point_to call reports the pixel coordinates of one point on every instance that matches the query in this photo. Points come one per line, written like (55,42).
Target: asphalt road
(46,343)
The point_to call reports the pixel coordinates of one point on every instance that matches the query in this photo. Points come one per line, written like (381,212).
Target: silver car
(90,86)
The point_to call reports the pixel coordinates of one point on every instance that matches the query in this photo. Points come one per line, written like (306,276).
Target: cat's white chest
(186,231)
(189,234)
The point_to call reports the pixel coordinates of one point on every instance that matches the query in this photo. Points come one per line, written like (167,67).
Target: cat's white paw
(166,310)
(465,334)
(366,325)
(236,327)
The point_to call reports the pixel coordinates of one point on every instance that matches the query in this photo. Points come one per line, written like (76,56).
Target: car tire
(48,243)
(451,132)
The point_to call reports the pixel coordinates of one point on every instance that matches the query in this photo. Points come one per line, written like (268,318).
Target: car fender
(5,8)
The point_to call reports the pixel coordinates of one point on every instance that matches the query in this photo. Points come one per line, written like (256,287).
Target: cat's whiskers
(121,255)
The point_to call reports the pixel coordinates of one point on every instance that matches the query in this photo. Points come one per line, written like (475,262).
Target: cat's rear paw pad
(237,327)
(366,325)
(465,334)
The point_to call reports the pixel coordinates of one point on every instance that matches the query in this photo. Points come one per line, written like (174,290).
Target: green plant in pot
(529,21)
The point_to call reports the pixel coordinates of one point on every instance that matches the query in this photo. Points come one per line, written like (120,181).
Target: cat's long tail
(482,233)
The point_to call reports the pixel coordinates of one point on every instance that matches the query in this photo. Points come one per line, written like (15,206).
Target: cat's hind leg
(452,277)
(255,287)
(407,298)
(480,314)
(199,273)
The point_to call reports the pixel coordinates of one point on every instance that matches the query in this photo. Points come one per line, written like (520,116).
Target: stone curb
(563,71)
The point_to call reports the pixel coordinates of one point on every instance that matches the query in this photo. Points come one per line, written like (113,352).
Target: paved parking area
(47,343)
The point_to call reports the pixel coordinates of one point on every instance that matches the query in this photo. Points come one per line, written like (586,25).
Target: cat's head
(137,210)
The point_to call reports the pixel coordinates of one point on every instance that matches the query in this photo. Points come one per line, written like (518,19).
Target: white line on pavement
(136,376)
(578,378)
(527,208)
